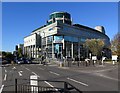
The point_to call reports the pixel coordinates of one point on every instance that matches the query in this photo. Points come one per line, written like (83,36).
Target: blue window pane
(71,39)
(67,38)
(58,37)
(83,39)
(75,39)
(56,48)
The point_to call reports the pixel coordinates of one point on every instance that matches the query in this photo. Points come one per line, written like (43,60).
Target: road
(83,79)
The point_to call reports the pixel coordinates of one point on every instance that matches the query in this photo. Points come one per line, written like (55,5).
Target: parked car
(19,61)
(27,60)
(5,61)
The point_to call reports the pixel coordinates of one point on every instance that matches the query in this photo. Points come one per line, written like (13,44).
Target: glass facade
(68,22)
(60,21)
(71,46)
(43,41)
(49,23)
(71,39)
(49,39)
(58,50)
(60,15)
(66,38)
(58,37)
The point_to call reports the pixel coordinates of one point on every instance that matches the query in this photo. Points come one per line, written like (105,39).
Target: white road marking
(50,85)
(32,72)
(54,73)
(35,74)
(27,69)
(1,88)
(5,77)
(20,73)
(40,68)
(5,71)
(40,64)
(14,68)
(77,81)
(106,76)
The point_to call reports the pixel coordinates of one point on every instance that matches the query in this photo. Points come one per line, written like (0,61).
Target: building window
(60,21)
(58,37)
(59,15)
(50,29)
(83,39)
(71,39)
(49,22)
(43,41)
(49,39)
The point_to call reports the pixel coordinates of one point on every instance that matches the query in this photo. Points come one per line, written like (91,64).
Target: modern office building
(59,38)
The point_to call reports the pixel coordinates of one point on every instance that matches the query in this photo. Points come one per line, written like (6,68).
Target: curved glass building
(60,17)
(59,38)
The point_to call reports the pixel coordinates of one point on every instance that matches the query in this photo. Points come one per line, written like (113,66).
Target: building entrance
(58,50)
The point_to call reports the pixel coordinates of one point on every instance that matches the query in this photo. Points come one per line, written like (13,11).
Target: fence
(61,87)
(81,63)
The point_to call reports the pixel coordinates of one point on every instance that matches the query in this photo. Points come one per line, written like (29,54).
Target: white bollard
(113,62)
(61,64)
(34,83)
(103,58)
(94,61)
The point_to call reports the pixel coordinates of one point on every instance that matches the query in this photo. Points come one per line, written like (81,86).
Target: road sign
(34,83)
(94,58)
(114,57)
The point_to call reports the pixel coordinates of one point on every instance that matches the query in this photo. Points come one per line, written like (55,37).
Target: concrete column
(66,49)
(27,50)
(79,50)
(24,51)
(36,45)
(63,19)
(63,50)
(72,49)
(52,48)
(31,50)
(35,51)
(46,42)
(46,47)
(63,44)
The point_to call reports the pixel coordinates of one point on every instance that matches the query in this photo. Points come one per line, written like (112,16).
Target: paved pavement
(99,78)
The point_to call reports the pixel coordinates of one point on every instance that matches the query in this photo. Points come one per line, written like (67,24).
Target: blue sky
(20,19)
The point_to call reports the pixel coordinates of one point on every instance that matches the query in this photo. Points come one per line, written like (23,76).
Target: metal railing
(25,87)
